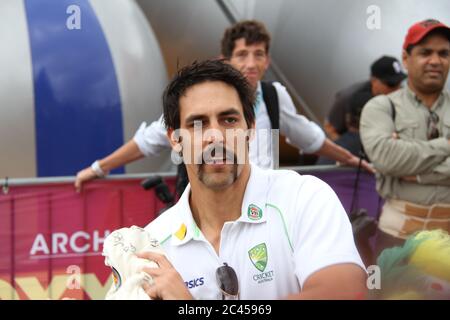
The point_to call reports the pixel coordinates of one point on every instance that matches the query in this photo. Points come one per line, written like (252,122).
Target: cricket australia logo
(258,256)
(254,212)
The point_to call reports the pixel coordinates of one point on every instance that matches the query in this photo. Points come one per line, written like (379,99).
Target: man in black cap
(386,77)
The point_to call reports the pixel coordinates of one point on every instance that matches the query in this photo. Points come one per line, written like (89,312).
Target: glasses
(228,282)
(433,131)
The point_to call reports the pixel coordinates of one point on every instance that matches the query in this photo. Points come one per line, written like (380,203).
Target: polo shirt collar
(252,210)
(412,96)
(185,228)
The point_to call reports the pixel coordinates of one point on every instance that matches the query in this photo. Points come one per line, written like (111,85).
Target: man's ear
(222,57)
(174,138)
(268,62)
(405,59)
(251,132)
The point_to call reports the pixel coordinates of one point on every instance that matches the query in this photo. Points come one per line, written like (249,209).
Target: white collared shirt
(299,131)
(290,227)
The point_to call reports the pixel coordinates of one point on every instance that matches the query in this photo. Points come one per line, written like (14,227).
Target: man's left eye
(230,120)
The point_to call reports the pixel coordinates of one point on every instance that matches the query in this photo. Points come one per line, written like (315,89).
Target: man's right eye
(196,124)
(425,52)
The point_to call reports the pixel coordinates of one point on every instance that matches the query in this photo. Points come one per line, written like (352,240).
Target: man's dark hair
(440,31)
(199,72)
(251,30)
(356,103)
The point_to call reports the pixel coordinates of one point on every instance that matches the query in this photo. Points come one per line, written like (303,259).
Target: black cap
(388,70)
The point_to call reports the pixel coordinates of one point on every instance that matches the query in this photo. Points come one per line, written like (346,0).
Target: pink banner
(51,237)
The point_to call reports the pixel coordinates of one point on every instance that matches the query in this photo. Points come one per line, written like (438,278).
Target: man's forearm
(127,153)
(401,156)
(433,179)
(331,150)
(340,281)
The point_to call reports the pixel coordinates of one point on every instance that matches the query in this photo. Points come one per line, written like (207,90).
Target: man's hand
(167,282)
(127,153)
(342,156)
(354,162)
(407,178)
(410,179)
(84,176)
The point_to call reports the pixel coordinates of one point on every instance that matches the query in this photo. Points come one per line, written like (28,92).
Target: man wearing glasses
(239,231)
(406,136)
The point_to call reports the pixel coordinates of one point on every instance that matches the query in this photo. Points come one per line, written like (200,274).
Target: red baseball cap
(419,30)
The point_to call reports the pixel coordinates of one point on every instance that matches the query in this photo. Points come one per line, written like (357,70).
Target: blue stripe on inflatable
(77,101)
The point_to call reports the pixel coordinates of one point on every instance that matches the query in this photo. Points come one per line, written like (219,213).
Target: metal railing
(10,182)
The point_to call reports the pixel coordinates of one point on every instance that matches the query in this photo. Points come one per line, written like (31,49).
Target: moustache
(434,70)
(217,154)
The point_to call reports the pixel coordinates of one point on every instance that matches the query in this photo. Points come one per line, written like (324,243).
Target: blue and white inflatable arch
(72,93)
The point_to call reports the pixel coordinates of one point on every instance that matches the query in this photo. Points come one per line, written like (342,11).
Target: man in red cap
(406,135)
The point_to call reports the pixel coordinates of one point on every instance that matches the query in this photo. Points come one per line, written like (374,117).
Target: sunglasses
(228,282)
(433,131)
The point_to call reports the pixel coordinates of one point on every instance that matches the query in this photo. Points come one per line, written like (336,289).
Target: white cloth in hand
(120,249)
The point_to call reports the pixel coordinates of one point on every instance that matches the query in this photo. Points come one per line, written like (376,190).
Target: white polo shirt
(290,227)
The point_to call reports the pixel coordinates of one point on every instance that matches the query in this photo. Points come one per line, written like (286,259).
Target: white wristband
(98,171)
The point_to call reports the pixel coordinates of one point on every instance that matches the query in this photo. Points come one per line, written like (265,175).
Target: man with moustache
(245,45)
(239,231)
(406,135)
